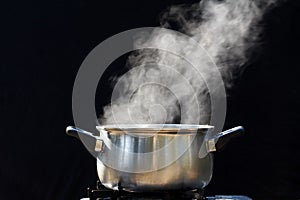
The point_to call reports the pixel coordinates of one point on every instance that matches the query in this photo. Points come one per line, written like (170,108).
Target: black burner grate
(102,193)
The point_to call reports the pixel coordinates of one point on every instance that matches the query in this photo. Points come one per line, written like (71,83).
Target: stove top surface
(216,197)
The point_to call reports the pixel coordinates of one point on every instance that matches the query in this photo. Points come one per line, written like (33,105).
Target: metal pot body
(153,162)
(153,157)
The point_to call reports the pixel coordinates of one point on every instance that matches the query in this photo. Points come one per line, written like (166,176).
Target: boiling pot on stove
(160,157)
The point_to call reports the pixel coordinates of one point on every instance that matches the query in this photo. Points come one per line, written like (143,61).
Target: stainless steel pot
(147,157)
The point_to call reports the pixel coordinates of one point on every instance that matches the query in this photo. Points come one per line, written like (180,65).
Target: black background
(43,44)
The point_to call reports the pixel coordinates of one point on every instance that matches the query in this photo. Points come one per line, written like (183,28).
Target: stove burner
(102,193)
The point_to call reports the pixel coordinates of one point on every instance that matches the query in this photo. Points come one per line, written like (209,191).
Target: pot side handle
(75,132)
(219,141)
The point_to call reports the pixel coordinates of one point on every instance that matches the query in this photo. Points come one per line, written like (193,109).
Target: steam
(162,87)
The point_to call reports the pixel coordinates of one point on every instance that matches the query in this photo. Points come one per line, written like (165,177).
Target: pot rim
(154,127)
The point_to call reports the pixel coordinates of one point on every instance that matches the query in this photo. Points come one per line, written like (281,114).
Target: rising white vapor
(227,30)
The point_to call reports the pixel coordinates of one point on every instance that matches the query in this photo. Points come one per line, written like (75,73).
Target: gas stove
(102,193)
